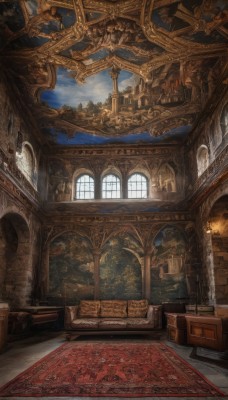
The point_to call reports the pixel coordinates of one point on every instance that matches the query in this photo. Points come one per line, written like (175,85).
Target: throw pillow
(137,308)
(89,308)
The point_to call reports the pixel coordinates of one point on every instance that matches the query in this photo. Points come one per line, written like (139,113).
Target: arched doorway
(15,274)
(218,219)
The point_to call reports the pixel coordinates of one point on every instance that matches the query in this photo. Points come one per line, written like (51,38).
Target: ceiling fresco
(127,71)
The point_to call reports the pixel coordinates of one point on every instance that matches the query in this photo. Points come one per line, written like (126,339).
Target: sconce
(208,227)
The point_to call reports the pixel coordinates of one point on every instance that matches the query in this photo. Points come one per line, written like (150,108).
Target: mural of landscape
(97,73)
(71,269)
(121,269)
(168,279)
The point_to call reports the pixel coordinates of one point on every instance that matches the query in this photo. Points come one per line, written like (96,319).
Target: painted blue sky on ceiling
(119,106)
(99,74)
(68,92)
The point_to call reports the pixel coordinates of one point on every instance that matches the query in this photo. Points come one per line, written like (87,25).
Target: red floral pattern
(103,369)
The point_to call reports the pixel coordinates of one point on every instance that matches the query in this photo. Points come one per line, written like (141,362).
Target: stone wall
(204,190)
(19,204)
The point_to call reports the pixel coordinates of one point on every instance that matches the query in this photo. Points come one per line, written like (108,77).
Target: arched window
(111,187)
(137,186)
(202,159)
(26,162)
(84,187)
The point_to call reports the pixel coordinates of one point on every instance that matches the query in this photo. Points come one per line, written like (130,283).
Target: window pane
(111,187)
(137,187)
(85,188)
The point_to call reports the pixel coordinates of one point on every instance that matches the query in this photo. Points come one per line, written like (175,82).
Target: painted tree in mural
(168,280)
(120,268)
(71,269)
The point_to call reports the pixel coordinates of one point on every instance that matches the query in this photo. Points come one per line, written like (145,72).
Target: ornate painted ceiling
(129,71)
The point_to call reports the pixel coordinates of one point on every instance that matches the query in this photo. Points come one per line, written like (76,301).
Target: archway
(219,229)
(15,274)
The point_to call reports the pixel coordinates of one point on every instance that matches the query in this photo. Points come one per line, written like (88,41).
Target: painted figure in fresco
(191,76)
(59,191)
(166,179)
(35,24)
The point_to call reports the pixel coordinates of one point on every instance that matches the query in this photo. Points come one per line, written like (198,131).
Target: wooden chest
(176,328)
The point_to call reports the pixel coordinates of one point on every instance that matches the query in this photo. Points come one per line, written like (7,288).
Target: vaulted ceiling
(129,71)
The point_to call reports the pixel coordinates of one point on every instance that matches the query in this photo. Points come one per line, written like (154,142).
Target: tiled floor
(20,355)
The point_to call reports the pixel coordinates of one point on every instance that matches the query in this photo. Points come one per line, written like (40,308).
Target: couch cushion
(138,323)
(137,308)
(85,323)
(113,323)
(89,309)
(114,308)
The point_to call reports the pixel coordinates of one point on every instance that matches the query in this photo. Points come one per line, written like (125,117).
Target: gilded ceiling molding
(84,224)
(113,10)
(111,151)
(172,43)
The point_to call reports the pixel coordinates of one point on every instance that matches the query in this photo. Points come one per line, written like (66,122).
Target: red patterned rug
(103,369)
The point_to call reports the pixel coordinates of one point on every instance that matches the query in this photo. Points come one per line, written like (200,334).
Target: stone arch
(219,240)
(202,158)
(208,258)
(15,269)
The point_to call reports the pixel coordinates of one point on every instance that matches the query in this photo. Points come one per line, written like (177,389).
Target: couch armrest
(70,315)
(154,314)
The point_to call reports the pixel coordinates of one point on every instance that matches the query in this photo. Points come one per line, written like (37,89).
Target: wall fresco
(71,269)
(59,185)
(168,277)
(120,269)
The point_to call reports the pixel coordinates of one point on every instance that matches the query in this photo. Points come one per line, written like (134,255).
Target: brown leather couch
(112,316)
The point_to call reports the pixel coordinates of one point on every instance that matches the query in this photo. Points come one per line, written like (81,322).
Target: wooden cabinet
(207,331)
(176,328)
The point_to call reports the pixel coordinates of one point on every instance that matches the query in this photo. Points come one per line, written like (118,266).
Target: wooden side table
(176,328)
